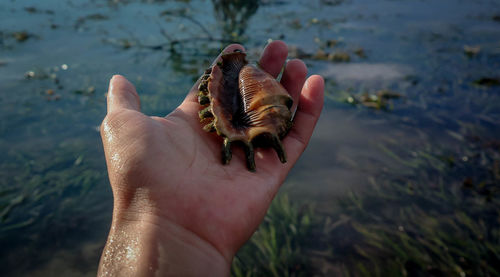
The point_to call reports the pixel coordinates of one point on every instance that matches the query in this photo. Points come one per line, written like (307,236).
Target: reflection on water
(234,16)
(407,184)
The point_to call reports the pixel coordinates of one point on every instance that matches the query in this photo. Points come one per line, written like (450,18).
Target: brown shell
(244,104)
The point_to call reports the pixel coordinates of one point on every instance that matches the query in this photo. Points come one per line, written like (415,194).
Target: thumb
(122,95)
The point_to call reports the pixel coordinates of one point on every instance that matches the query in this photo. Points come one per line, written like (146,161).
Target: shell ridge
(244,105)
(250,84)
(248,91)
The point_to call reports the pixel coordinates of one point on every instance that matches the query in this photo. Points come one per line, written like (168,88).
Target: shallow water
(444,129)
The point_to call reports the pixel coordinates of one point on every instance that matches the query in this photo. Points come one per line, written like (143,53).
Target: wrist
(146,245)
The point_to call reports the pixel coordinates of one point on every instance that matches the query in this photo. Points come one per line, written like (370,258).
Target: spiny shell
(244,104)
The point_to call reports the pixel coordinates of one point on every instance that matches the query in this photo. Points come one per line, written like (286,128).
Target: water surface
(432,153)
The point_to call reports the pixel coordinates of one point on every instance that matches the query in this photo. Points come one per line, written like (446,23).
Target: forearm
(152,247)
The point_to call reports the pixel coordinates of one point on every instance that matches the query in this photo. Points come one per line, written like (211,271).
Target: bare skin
(177,210)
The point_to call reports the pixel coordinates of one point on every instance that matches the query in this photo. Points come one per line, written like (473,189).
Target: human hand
(177,209)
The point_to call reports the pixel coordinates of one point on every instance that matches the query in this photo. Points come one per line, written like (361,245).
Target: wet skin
(177,209)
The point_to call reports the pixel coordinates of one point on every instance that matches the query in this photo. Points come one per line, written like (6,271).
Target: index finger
(273,57)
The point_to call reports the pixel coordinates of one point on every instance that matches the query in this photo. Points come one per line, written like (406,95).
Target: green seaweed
(441,230)
(277,248)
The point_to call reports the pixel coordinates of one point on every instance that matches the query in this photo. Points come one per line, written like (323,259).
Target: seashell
(244,105)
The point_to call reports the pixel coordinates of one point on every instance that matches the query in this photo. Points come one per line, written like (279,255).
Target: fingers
(293,79)
(122,95)
(273,57)
(308,111)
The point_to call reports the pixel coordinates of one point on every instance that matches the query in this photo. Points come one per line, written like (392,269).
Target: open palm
(169,167)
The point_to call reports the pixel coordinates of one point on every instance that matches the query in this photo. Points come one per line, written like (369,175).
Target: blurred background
(401,177)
